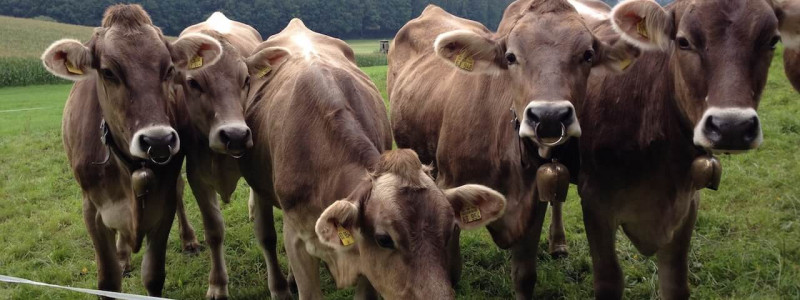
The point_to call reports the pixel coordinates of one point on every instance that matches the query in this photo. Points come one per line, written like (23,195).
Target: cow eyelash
(108,74)
(684,44)
(195,85)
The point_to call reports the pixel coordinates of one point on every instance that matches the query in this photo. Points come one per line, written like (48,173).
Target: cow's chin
(545,144)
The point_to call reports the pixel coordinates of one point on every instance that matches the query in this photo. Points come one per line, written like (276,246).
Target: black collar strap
(108,140)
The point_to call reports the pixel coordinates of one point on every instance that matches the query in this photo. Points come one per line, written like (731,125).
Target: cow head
(720,54)
(215,98)
(789,17)
(133,66)
(401,224)
(546,51)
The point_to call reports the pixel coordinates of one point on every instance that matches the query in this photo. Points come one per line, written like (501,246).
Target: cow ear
(475,205)
(470,52)
(336,226)
(643,23)
(68,59)
(195,51)
(616,58)
(266,62)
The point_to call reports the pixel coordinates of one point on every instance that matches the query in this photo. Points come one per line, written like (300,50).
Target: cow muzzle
(729,130)
(232,139)
(156,143)
(549,123)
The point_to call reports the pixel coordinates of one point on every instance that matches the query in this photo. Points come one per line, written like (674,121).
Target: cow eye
(588,56)
(195,85)
(108,74)
(684,44)
(384,240)
(246,82)
(511,58)
(773,44)
(170,73)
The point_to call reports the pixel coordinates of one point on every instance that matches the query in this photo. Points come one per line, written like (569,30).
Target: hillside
(29,37)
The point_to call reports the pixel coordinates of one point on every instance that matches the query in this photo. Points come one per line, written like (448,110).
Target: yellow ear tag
(641,27)
(470,214)
(264,72)
(72,69)
(465,62)
(196,62)
(624,64)
(345,236)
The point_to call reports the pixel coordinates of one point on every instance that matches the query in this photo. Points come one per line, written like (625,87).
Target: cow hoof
(192,247)
(217,293)
(559,252)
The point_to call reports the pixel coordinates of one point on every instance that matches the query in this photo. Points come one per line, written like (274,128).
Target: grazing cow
(128,168)
(451,84)
(649,135)
(217,136)
(319,128)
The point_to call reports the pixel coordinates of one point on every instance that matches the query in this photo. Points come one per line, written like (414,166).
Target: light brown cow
(124,80)
(789,12)
(649,134)
(451,84)
(319,128)
(217,136)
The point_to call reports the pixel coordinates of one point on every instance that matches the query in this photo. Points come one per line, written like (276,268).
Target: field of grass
(746,245)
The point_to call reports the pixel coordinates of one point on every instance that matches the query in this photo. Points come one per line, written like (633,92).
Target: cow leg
(673,260)
(189,241)
(155,258)
(251,206)
(109,274)
(304,266)
(523,254)
(124,256)
(365,290)
(268,238)
(558,236)
(214,226)
(601,233)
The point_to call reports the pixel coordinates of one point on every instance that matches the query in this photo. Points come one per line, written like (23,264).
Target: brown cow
(217,136)
(649,134)
(451,84)
(790,33)
(319,128)
(124,80)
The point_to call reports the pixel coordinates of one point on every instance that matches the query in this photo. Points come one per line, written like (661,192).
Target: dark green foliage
(339,18)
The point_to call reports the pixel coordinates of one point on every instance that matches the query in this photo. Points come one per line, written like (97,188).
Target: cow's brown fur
(124,76)
(319,127)
(108,202)
(217,100)
(637,147)
(461,122)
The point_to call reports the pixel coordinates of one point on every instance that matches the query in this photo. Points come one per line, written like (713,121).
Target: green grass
(746,245)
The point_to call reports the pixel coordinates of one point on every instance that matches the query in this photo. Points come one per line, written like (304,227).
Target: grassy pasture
(746,244)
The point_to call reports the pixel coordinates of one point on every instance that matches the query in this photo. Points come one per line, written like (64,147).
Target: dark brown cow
(649,134)
(124,80)
(451,85)
(217,135)
(319,128)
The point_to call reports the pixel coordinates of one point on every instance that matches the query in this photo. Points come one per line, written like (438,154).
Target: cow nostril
(531,116)
(223,137)
(565,115)
(751,129)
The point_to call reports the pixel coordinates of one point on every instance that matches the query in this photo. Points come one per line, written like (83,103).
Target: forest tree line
(340,18)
